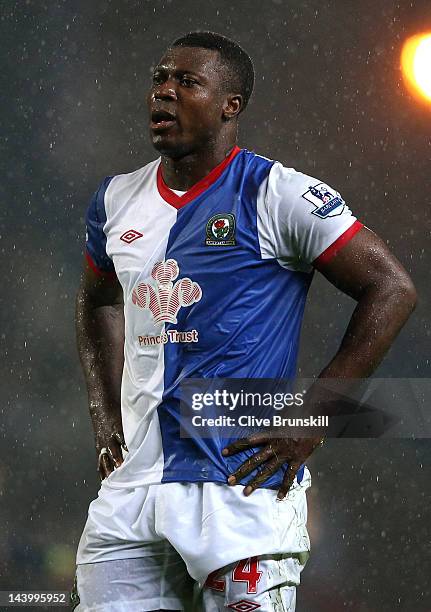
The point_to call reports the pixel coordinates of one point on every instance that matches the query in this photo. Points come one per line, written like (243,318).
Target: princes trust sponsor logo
(166,298)
(172,335)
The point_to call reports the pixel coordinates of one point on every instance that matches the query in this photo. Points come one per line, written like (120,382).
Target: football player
(198,266)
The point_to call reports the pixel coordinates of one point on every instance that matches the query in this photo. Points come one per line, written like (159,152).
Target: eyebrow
(178,71)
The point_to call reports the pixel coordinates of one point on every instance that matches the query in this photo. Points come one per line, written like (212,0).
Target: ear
(232,107)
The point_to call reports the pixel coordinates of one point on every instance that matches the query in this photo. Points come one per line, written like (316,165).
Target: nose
(164,91)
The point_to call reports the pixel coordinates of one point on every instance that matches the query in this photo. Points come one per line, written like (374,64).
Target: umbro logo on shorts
(244,605)
(130,236)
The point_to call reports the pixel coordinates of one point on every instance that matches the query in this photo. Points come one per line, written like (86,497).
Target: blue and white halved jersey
(214,284)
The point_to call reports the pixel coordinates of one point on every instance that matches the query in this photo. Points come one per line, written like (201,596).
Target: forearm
(100,336)
(381,312)
(378,317)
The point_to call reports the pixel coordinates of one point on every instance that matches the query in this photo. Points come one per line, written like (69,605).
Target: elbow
(406,293)
(396,291)
(410,294)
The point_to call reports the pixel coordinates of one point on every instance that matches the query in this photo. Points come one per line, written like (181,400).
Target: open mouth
(161,120)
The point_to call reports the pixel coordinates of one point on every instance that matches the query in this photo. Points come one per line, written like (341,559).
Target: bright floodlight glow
(416,64)
(422,66)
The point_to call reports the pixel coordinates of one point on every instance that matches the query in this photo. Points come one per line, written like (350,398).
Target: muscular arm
(100,336)
(367,271)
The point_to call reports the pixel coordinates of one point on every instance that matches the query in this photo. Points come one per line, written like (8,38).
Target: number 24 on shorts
(246,570)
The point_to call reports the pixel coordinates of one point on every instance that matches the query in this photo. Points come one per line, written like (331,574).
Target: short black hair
(237,61)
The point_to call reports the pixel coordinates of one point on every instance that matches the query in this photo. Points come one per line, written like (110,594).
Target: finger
(118,435)
(288,479)
(244,443)
(103,468)
(263,475)
(250,465)
(237,447)
(114,450)
(105,463)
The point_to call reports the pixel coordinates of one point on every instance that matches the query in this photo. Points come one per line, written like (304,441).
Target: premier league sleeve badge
(327,201)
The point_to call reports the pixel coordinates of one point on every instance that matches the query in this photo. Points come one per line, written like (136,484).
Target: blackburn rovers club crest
(328,202)
(220,230)
(164,298)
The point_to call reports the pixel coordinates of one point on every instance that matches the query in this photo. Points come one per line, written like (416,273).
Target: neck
(182,173)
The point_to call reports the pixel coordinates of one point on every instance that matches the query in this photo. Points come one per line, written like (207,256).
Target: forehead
(204,62)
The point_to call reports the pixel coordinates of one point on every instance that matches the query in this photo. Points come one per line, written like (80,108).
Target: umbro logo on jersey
(130,236)
(220,230)
(165,300)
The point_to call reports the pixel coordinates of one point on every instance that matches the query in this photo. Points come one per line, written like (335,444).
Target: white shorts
(180,533)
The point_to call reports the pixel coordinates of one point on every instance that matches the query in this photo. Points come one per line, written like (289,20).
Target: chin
(168,147)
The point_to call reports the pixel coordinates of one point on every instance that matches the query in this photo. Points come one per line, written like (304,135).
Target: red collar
(179,201)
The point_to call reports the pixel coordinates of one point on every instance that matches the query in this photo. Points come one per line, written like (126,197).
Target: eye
(187,82)
(157,79)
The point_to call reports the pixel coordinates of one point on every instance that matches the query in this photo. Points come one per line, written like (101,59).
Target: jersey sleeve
(302,221)
(95,246)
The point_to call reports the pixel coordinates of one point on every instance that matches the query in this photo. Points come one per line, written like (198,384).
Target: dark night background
(331,102)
